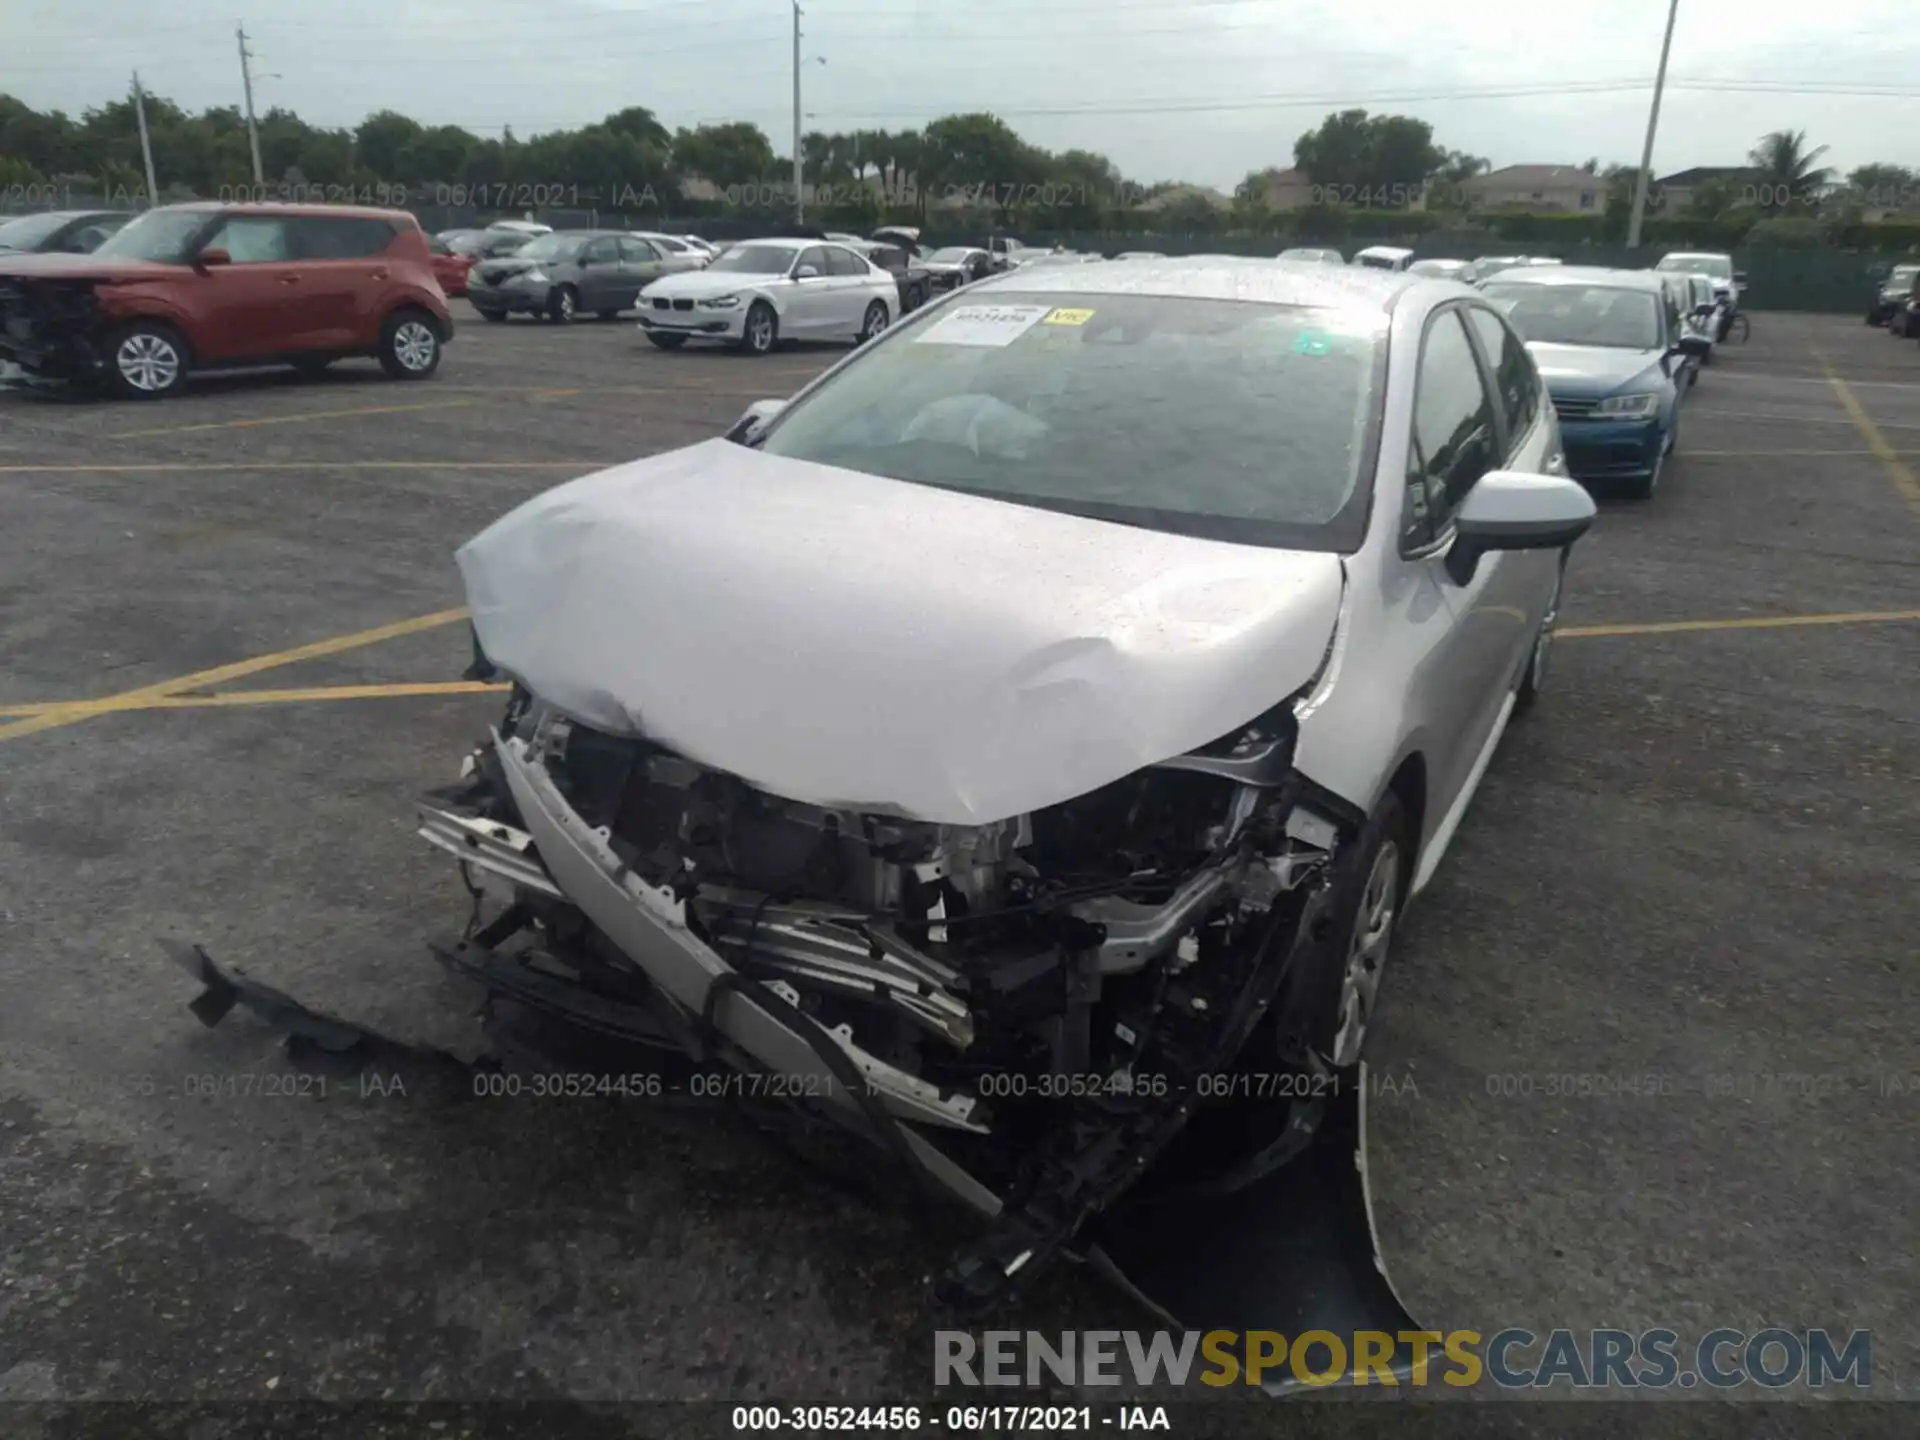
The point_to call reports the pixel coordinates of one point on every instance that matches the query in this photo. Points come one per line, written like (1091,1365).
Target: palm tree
(1786,175)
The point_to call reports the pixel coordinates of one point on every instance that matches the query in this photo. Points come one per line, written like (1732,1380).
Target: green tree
(737,153)
(1882,186)
(1369,156)
(379,141)
(1788,176)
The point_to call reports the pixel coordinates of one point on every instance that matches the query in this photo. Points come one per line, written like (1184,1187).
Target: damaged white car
(1045,714)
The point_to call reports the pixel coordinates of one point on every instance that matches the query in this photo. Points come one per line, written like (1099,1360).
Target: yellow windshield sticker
(1069,317)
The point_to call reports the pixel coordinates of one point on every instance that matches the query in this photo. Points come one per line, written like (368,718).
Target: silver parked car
(569,272)
(765,291)
(1056,702)
(1313,255)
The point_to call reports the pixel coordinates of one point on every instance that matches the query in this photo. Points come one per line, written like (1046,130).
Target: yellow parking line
(300,419)
(195,466)
(1768,622)
(230,698)
(70,713)
(1901,473)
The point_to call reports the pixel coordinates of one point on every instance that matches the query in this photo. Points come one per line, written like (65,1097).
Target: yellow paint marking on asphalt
(299,419)
(69,713)
(183,466)
(230,698)
(1901,473)
(1766,622)
(1692,454)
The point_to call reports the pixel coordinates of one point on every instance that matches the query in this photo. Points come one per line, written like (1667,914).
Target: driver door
(1460,432)
(810,306)
(600,279)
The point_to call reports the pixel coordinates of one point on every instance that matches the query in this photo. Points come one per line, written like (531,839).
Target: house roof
(1534,177)
(1703,174)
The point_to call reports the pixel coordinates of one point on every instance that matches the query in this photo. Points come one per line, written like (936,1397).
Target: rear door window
(845,262)
(338,237)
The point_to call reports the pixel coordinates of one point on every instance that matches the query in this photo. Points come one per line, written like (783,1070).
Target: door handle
(288,279)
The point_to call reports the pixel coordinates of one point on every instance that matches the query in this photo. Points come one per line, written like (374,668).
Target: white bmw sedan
(765,291)
(1078,682)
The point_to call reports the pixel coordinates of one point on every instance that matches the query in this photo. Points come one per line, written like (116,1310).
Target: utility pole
(253,130)
(799,179)
(146,144)
(1653,123)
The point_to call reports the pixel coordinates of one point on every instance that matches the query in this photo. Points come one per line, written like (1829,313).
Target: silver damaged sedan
(1047,712)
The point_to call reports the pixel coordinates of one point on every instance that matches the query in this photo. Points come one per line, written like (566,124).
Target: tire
(410,345)
(873,323)
(498,317)
(147,360)
(1340,988)
(762,329)
(666,342)
(563,305)
(1533,679)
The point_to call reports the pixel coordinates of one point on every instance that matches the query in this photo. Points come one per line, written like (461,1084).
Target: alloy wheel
(876,321)
(1367,955)
(147,362)
(414,345)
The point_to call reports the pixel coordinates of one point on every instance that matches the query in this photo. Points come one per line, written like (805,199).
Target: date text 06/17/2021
(994,1420)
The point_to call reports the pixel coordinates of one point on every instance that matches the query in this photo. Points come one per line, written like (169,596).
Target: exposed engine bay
(1023,1010)
(49,328)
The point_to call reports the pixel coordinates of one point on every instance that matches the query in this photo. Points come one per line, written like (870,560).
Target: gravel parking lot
(1696,862)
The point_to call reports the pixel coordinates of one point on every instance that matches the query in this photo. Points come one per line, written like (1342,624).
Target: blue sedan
(1614,352)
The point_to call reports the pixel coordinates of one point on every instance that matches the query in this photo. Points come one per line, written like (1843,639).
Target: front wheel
(563,305)
(1534,678)
(147,360)
(409,346)
(873,324)
(1341,987)
(762,330)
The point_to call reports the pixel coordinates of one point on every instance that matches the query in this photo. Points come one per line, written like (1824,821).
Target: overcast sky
(1201,90)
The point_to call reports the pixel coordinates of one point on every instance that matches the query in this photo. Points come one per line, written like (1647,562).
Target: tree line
(631,160)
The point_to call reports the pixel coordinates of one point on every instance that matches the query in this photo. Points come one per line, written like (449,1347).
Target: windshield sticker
(1313,342)
(1069,317)
(989,325)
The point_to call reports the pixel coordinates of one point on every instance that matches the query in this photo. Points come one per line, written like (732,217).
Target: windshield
(1718,266)
(29,230)
(1228,419)
(1901,277)
(756,260)
(551,247)
(1605,316)
(951,255)
(161,235)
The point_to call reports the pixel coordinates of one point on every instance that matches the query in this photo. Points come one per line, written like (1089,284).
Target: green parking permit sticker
(1312,342)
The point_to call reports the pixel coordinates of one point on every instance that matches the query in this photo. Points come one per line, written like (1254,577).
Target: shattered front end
(1026,1013)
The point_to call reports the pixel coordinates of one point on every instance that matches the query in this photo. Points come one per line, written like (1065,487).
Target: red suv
(208,287)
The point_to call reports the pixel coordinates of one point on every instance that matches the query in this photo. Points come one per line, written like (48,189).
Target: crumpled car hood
(851,641)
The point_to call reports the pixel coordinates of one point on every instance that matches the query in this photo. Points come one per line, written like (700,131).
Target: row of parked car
(1896,302)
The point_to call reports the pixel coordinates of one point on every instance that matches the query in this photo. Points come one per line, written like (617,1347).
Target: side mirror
(806,272)
(757,414)
(1740,277)
(1516,510)
(214,256)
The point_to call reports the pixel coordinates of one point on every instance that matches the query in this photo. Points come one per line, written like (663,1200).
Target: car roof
(1217,277)
(1383,250)
(1571,275)
(1696,255)
(275,207)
